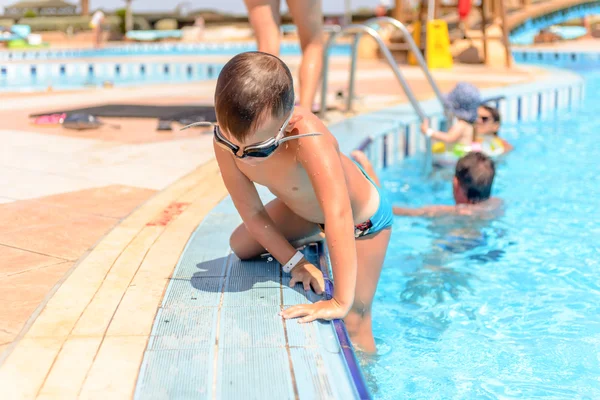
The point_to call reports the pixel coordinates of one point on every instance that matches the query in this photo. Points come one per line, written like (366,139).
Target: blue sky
(233,6)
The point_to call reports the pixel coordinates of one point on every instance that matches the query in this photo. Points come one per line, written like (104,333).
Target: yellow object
(416,34)
(438,147)
(438,45)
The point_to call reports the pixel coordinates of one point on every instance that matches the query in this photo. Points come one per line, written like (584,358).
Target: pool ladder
(357,30)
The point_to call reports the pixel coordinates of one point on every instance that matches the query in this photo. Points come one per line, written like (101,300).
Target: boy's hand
(326,309)
(424,126)
(308,275)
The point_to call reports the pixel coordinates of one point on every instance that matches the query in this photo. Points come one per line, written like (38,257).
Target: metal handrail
(417,52)
(357,30)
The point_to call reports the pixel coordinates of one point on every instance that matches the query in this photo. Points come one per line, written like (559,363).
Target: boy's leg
(308,17)
(370,254)
(292,226)
(364,162)
(264,18)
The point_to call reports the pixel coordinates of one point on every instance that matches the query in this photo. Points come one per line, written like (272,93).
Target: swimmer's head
(488,121)
(473,178)
(253,98)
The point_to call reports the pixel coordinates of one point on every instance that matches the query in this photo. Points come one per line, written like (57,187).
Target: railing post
(324,77)
(352,80)
(417,52)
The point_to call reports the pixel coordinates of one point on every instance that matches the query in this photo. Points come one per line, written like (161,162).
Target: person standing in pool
(262,138)
(471,188)
(488,125)
(308,16)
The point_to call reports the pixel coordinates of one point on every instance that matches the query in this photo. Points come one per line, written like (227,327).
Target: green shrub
(29,14)
(167,24)
(139,23)
(121,13)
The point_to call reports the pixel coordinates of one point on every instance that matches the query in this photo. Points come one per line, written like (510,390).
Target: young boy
(471,187)
(262,138)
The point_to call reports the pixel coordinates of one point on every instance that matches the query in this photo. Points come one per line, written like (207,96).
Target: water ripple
(500,309)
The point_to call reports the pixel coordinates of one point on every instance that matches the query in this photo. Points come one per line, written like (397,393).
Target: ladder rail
(417,53)
(357,30)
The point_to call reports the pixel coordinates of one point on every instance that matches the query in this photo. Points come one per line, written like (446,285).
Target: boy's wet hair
(475,174)
(251,87)
(495,113)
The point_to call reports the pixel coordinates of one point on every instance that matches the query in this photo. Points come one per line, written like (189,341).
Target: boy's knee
(236,243)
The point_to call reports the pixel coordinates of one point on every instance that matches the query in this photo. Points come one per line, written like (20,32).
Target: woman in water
(488,125)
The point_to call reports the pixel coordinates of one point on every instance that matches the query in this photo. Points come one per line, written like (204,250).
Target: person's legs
(308,17)
(264,18)
(97,36)
(370,254)
(295,228)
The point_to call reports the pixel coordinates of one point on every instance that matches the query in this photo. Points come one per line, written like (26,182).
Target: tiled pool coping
(327,368)
(79,73)
(557,57)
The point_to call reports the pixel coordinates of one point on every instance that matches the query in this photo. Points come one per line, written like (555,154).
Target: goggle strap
(200,123)
(287,138)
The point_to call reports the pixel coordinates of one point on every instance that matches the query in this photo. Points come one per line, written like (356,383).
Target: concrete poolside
(85,185)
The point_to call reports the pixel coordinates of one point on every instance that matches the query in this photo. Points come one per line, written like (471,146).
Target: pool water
(88,68)
(504,308)
(155,49)
(565,32)
(102,74)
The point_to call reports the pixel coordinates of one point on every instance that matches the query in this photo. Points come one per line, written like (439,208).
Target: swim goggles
(259,150)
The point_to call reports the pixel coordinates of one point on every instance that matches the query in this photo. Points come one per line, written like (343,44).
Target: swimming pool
(75,75)
(128,65)
(508,308)
(153,49)
(565,32)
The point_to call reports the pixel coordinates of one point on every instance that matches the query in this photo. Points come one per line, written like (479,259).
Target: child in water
(463,102)
(471,188)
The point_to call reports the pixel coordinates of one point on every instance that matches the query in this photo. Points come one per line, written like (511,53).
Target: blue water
(565,32)
(49,76)
(504,308)
(154,73)
(150,49)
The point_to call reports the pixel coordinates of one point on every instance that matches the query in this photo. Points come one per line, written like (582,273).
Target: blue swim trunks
(383,217)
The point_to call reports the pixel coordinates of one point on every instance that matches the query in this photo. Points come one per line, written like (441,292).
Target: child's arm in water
(321,160)
(507,146)
(452,136)
(429,211)
(257,221)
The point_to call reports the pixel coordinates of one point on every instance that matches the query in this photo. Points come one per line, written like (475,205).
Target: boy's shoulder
(310,123)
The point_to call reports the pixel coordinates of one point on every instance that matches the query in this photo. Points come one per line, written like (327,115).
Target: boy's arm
(257,220)
(427,211)
(321,159)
